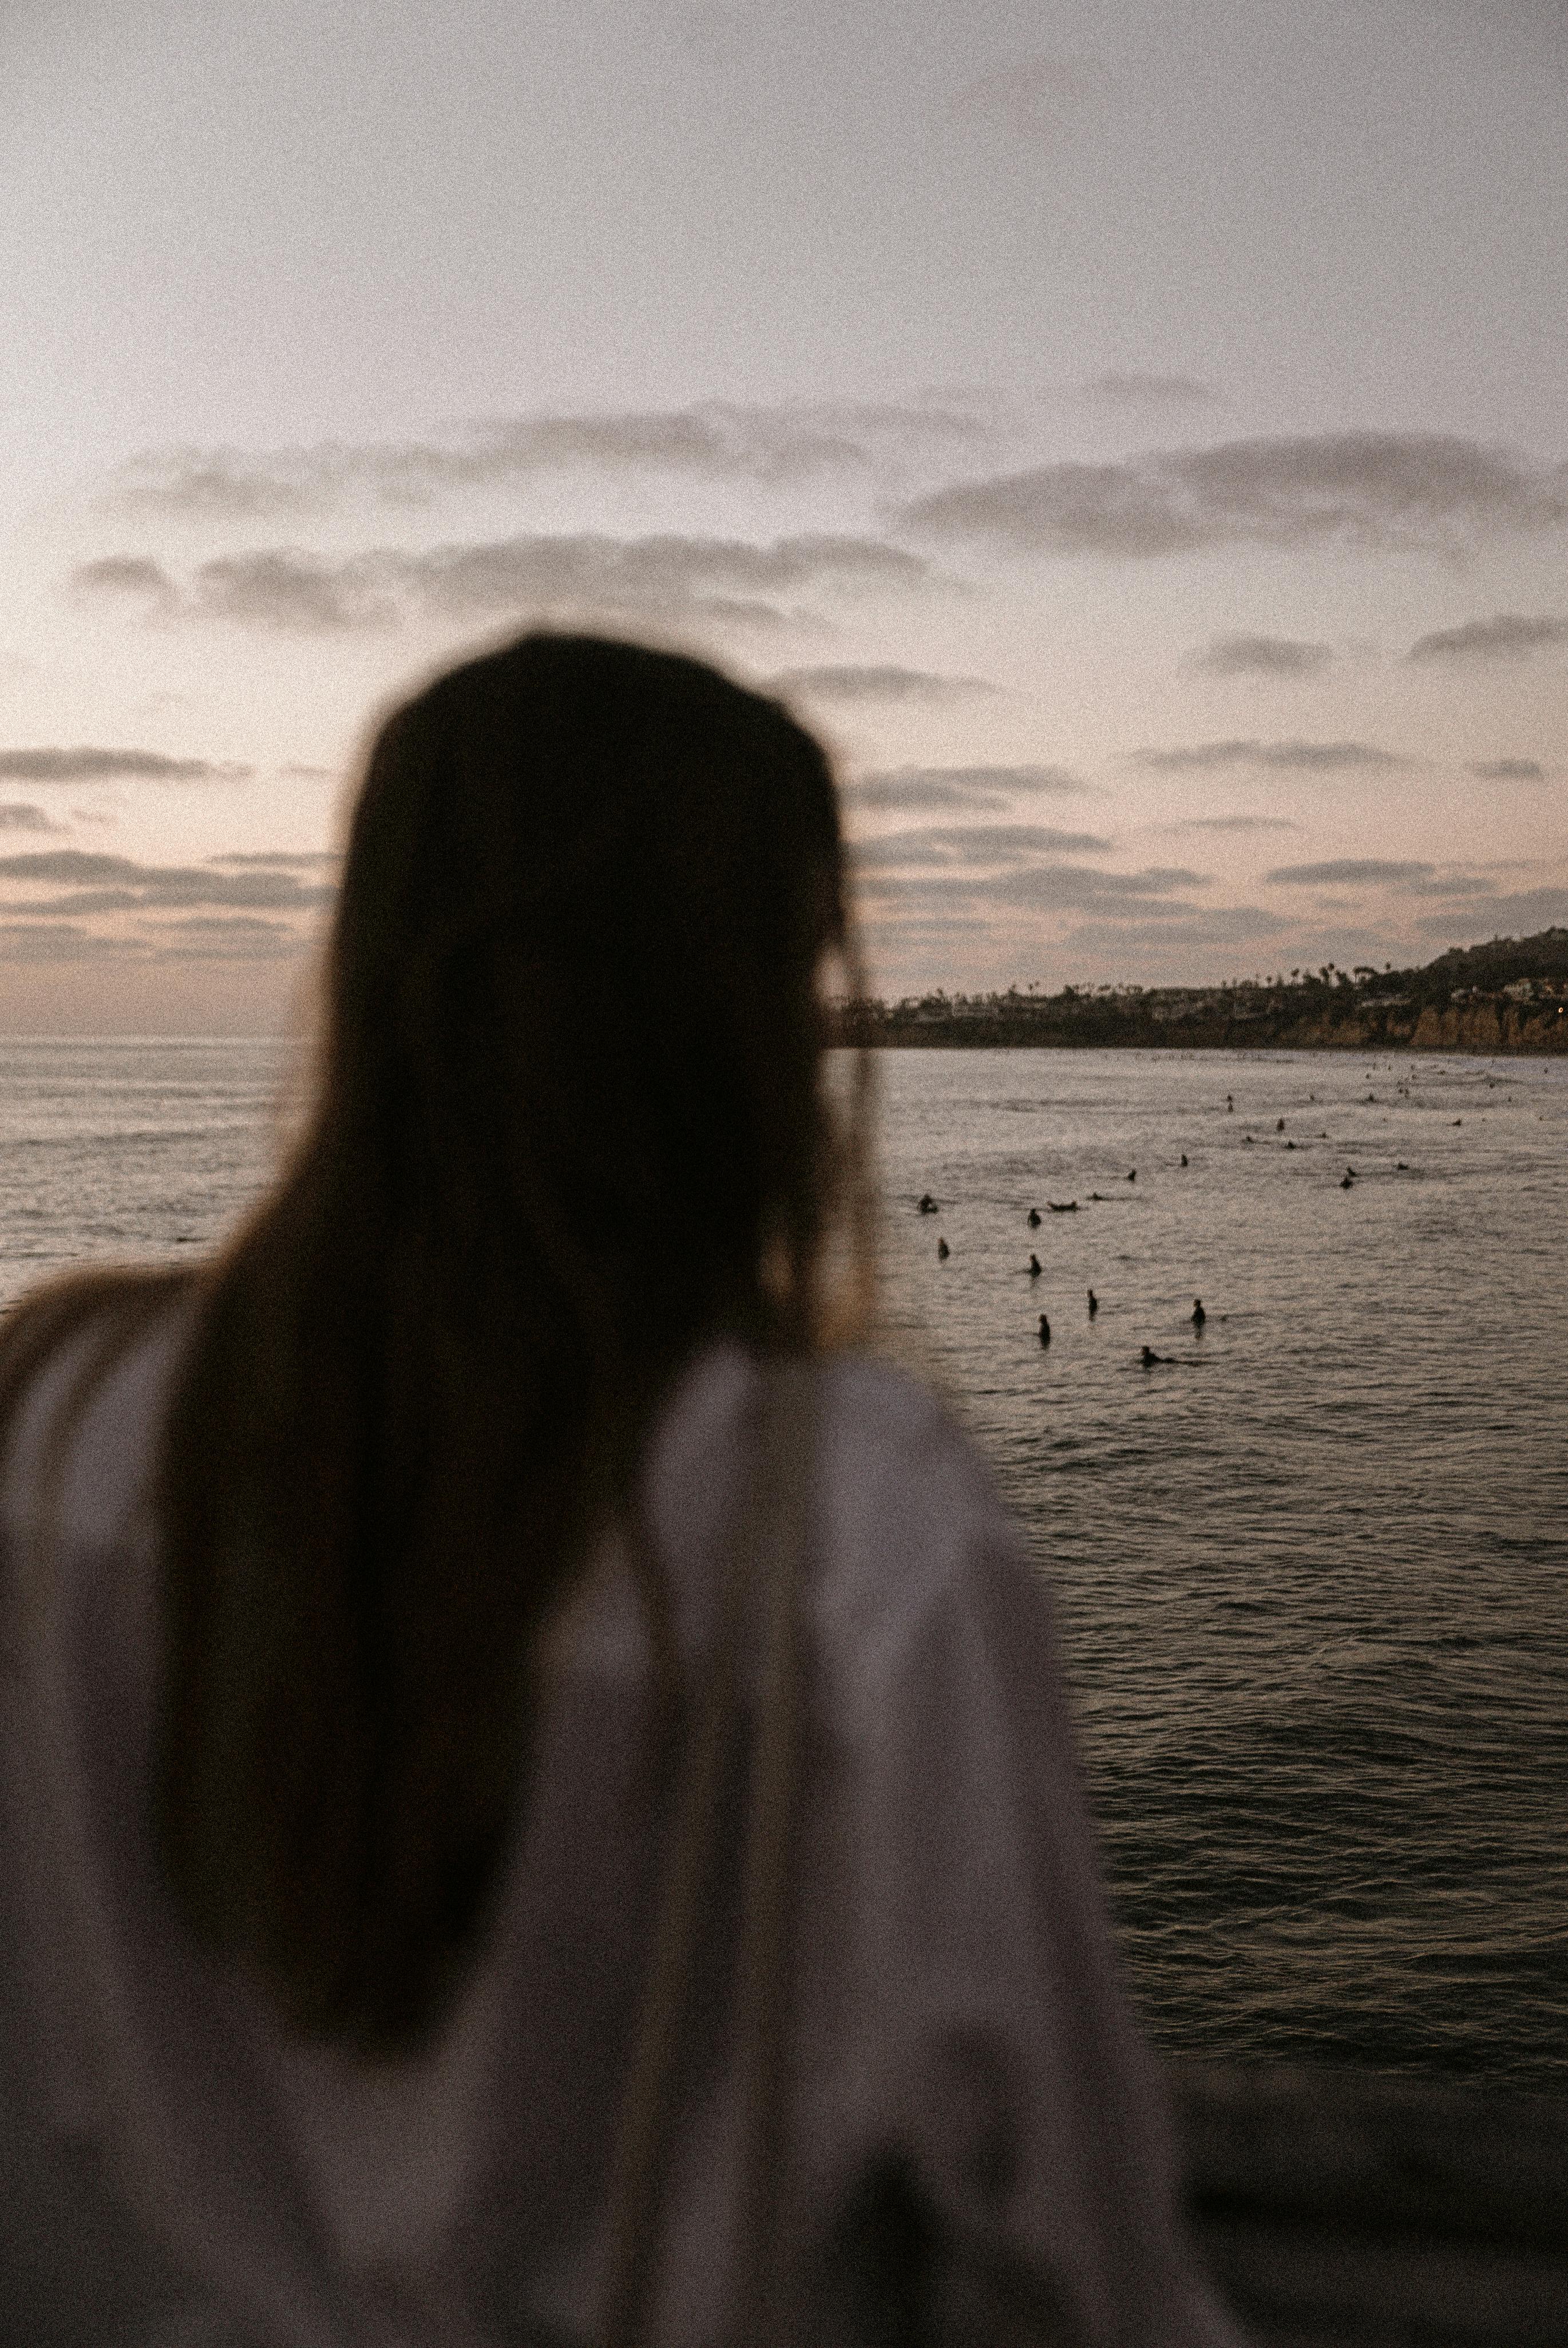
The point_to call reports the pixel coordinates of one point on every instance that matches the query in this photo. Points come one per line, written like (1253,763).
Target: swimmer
(1032,1218)
(1034,1267)
(943,1251)
(1044,1330)
(1349,1181)
(1199,1315)
(1279,1125)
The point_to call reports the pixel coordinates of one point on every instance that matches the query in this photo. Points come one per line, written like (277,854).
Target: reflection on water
(1312,1574)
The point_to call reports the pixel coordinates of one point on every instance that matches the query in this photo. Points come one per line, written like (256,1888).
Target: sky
(1133,435)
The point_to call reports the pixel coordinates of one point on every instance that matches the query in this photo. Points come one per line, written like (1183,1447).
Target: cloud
(1508,770)
(55,942)
(714,440)
(117,884)
(1508,635)
(1044,887)
(1456,884)
(1287,757)
(1351,872)
(876,684)
(972,844)
(1222,925)
(1035,887)
(1517,915)
(18,817)
(96,766)
(955,790)
(1135,390)
(283,859)
(1243,655)
(129,578)
(238,937)
(1233,823)
(1357,489)
(666,580)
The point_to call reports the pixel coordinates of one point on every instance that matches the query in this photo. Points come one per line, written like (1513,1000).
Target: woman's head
(573,981)
(569,1123)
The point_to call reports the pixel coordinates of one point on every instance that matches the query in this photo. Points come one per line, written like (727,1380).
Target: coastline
(1506,999)
(1448,1037)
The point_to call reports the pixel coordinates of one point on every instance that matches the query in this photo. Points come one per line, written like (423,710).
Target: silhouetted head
(588,891)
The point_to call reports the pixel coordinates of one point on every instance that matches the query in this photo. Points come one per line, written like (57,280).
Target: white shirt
(170,2158)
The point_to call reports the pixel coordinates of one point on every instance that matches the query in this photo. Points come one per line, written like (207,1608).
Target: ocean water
(1311,1571)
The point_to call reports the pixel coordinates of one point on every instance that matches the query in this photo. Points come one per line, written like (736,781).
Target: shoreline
(1533,1040)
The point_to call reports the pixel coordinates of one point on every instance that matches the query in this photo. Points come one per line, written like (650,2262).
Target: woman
(359,1591)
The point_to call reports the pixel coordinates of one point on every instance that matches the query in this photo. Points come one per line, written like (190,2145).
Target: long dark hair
(570,1122)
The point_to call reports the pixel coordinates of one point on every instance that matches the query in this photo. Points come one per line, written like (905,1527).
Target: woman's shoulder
(902,1502)
(85,1369)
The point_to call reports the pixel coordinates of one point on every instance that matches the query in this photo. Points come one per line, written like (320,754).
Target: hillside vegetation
(1508,995)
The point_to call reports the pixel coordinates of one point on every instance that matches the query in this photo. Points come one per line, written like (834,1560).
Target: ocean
(1310,1568)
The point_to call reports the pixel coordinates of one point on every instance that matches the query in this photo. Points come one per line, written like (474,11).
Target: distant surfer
(943,1251)
(1133,1175)
(1183,1157)
(1230,1111)
(927,1205)
(1032,1218)
(1044,1330)
(1149,1357)
(1279,1125)
(1034,1267)
(1349,1181)
(1199,1315)
(1093,1305)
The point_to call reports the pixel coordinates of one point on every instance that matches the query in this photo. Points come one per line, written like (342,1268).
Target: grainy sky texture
(1134,434)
